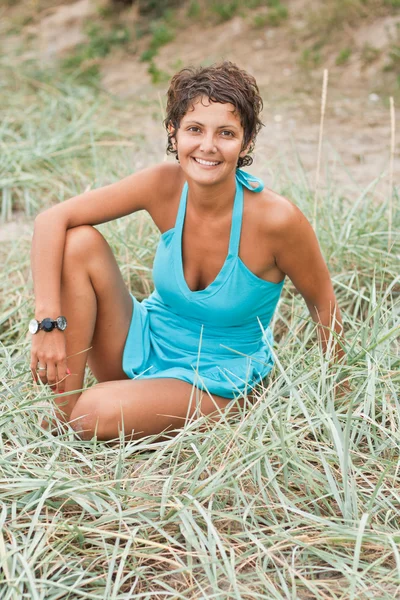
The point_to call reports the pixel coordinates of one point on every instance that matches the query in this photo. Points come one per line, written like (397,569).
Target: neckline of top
(242,179)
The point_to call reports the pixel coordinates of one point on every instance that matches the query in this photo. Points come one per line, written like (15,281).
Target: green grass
(369,54)
(100,43)
(194,9)
(343,56)
(310,58)
(224,10)
(276,15)
(157,75)
(297,497)
(161,34)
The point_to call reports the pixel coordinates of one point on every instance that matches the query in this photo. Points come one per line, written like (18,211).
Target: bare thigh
(143,407)
(98,308)
(113,319)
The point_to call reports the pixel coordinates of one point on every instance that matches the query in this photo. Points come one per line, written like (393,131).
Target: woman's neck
(211,200)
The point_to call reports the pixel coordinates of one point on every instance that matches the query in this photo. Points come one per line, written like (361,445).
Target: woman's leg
(98,308)
(142,407)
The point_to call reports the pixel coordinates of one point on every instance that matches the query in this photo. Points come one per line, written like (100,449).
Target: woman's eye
(227,133)
(193,128)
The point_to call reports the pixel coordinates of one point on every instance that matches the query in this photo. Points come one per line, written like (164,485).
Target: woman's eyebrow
(231,126)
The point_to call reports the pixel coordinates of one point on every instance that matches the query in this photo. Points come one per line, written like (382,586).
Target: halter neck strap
(243,179)
(246,179)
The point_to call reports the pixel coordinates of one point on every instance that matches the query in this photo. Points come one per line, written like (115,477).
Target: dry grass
(296,497)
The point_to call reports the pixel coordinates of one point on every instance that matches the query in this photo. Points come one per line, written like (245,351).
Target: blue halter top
(217,338)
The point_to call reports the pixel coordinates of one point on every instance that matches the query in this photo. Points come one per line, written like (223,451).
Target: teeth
(206,162)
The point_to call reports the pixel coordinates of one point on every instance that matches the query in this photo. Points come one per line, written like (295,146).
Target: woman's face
(209,141)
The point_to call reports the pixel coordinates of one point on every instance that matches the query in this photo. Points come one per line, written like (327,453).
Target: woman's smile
(206,163)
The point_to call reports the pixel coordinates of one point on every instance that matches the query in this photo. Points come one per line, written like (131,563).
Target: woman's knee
(85,416)
(81,242)
(91,414)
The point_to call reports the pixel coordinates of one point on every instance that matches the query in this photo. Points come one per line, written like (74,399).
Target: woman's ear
(171,133)
(245,150)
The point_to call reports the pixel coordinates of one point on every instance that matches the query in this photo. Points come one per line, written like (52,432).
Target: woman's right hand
(49,359)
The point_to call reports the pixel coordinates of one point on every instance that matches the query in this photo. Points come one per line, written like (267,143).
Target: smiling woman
(201,341)
(209,140)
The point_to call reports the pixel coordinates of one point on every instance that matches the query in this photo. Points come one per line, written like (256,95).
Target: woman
(202,338)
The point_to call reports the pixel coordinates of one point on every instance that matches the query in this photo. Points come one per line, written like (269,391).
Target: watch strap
(48,324)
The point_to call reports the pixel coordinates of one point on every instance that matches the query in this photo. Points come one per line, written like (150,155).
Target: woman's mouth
(206,163)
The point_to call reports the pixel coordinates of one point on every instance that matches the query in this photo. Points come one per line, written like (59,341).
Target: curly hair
(224,83)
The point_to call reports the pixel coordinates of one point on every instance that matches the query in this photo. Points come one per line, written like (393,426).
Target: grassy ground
(297,497)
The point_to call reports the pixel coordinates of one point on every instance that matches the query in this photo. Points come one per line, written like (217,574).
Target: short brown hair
(224,83)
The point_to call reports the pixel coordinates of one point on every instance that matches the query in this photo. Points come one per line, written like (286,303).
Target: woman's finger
(51,375)
(41,372)
(62,372)
(33,367)
(35,362)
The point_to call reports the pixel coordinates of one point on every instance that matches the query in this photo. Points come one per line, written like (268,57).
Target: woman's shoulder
(165,176)
(274,212)
(167,183)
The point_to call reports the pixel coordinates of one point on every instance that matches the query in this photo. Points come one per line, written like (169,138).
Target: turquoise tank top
(217,338)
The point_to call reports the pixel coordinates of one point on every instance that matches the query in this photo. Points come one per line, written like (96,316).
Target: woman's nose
(208,143)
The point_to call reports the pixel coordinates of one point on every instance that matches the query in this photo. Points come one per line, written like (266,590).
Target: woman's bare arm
(299,256)
(137,192)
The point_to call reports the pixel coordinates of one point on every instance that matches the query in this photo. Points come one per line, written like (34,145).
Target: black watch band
(48,325)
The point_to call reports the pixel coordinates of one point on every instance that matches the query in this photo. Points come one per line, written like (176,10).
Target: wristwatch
(48,325)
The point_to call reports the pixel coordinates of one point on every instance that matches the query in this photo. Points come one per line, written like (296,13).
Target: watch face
(61,323)
(47,325)
(33,326)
